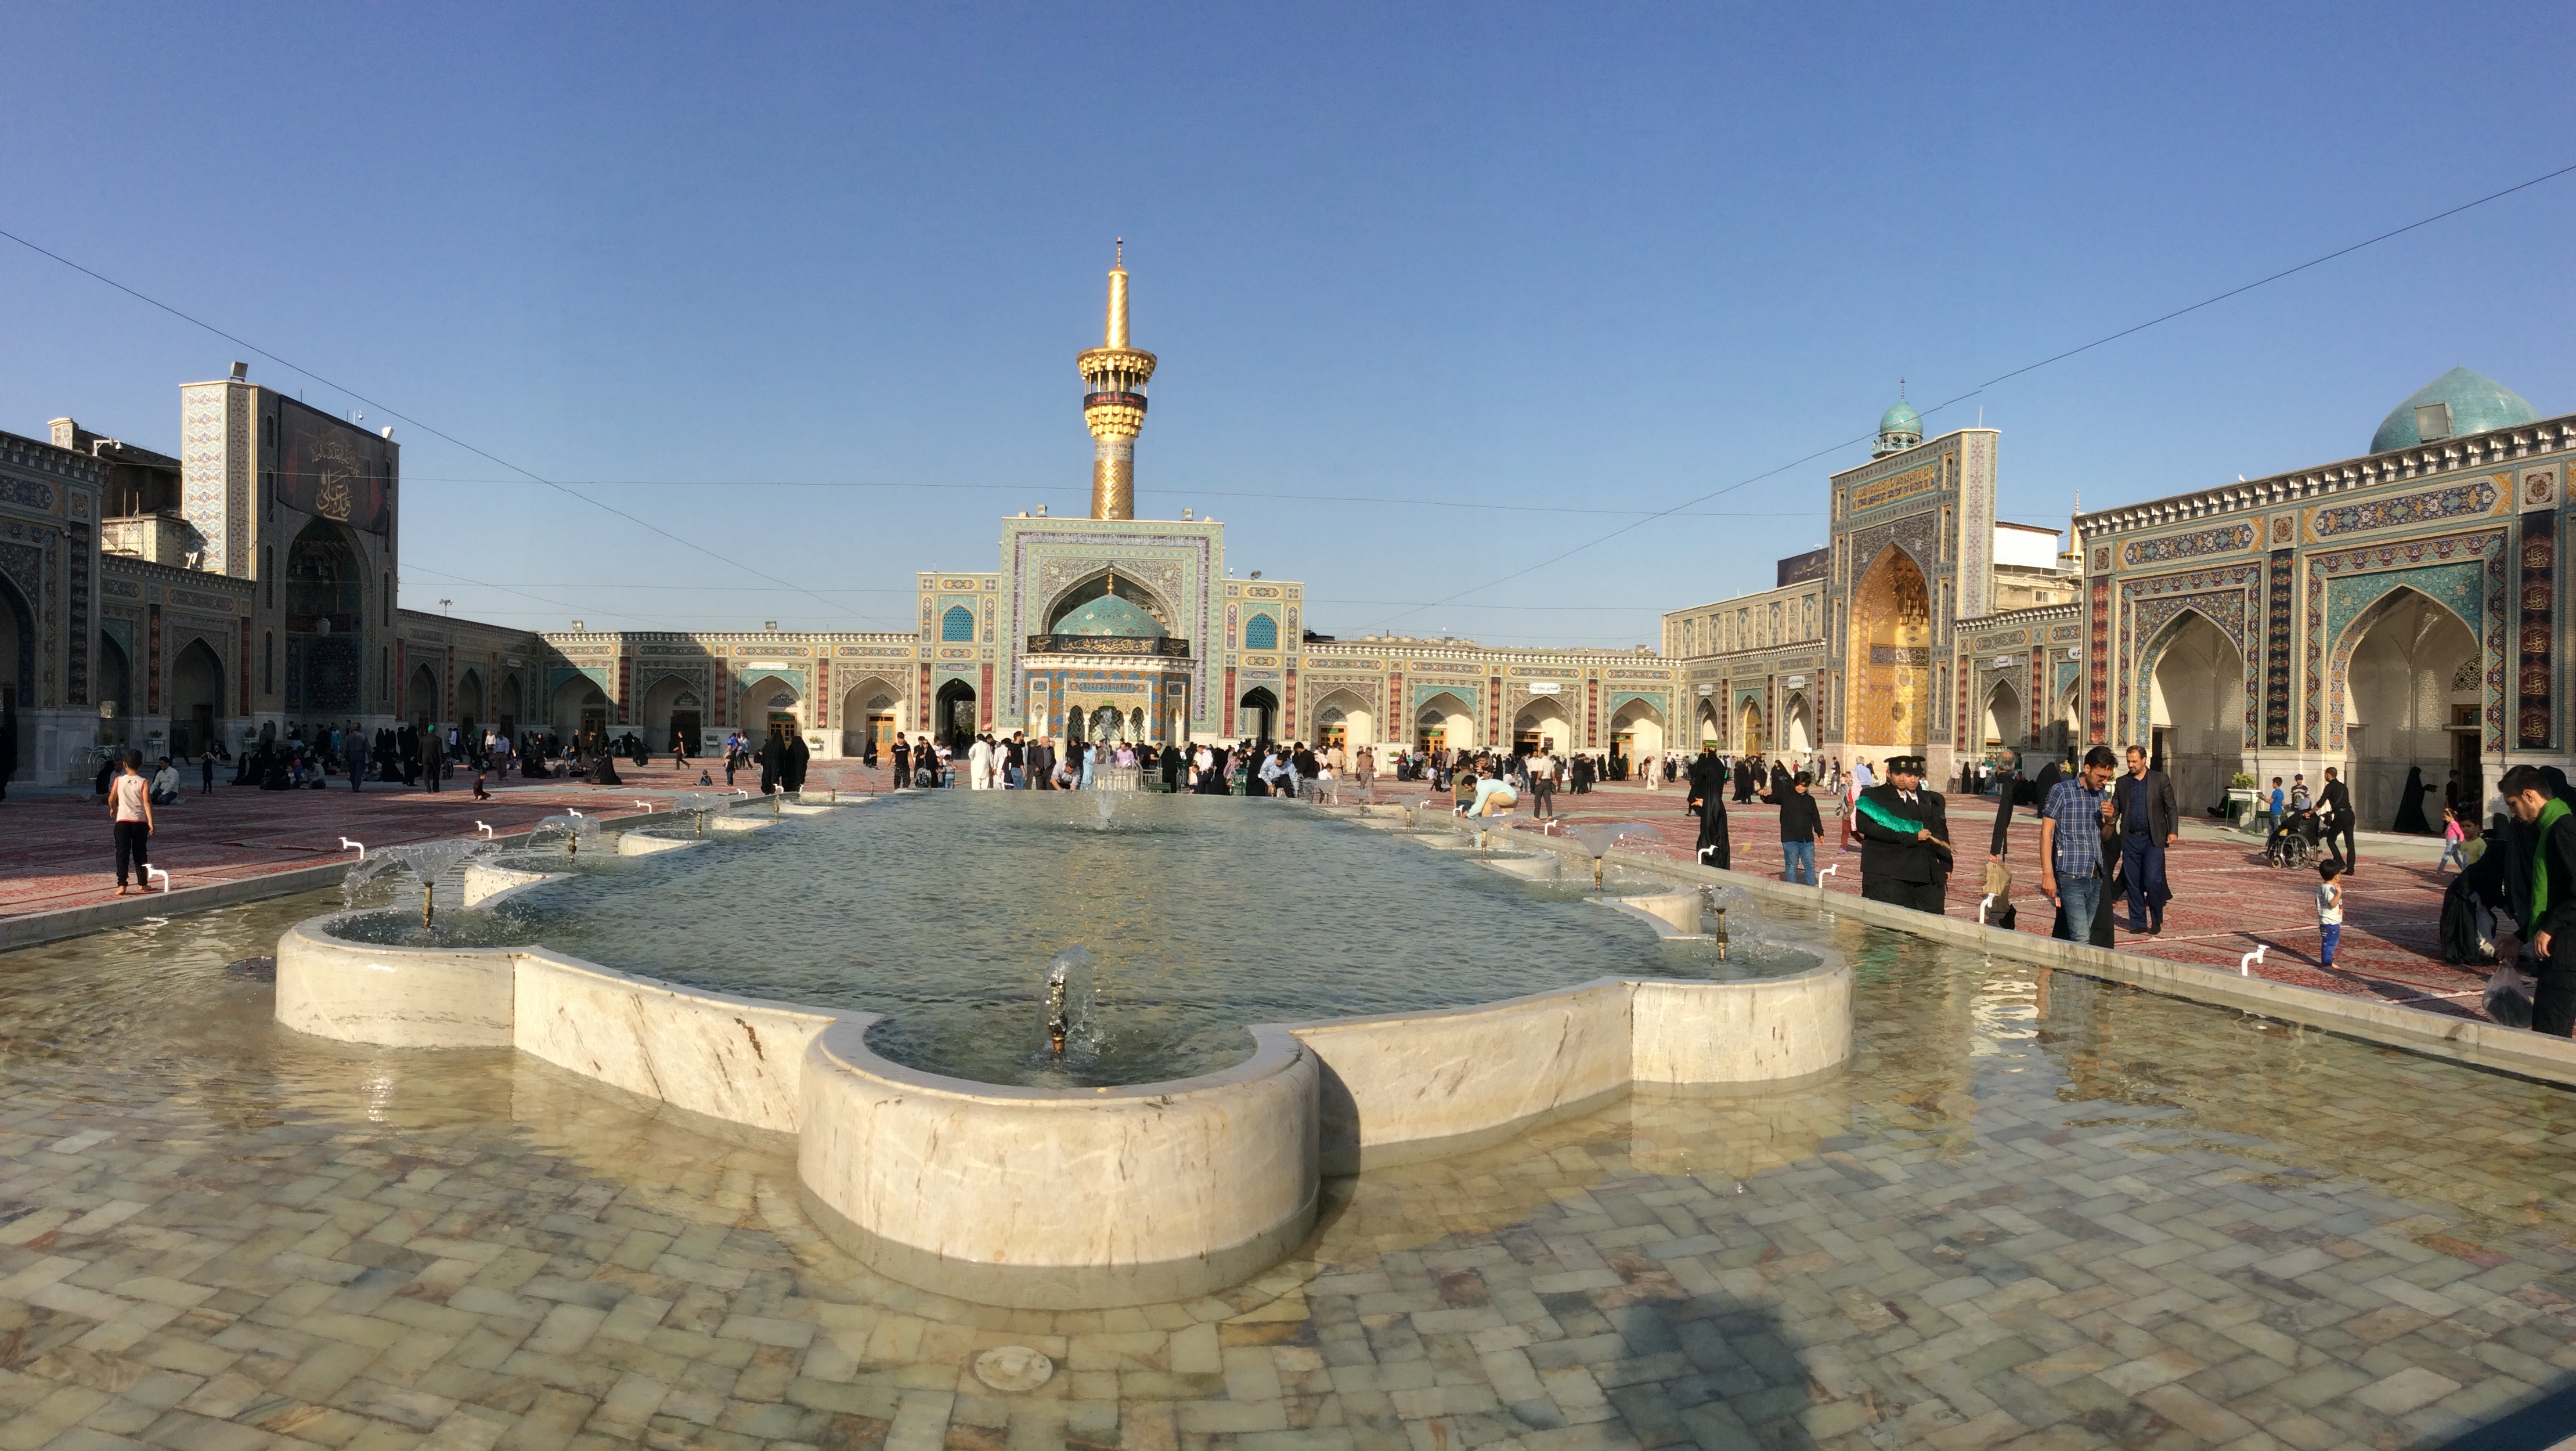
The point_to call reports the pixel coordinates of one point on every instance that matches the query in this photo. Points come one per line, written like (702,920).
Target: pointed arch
(1349,712)
(1448,714)
(1889,703)
(2393,672)
(1110,579)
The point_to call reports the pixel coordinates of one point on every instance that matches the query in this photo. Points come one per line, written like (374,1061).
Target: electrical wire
(392,412)
(2346,251)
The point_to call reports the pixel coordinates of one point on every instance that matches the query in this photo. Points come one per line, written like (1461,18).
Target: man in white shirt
(979,765)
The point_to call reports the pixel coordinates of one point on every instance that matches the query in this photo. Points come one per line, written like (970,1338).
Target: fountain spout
(1597,838)
(1059,1008)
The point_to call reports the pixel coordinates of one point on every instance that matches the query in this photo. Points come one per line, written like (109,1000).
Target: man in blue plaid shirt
(2071,825)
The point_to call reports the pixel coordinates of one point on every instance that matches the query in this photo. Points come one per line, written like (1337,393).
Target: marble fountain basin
(1043,1195)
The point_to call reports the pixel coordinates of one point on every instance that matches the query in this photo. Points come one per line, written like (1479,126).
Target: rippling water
(1202,914)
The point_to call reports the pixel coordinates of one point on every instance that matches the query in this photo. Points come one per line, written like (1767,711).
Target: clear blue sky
(1586,257)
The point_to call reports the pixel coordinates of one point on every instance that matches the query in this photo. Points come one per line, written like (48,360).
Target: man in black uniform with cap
(1905,839)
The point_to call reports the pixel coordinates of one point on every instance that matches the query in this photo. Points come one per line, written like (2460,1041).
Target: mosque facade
(2397,609)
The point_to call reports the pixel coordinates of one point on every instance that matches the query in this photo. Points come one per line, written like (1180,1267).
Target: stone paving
(2037,1210)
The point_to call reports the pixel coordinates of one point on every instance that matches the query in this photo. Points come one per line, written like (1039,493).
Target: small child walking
(2329,909)
(2454,842)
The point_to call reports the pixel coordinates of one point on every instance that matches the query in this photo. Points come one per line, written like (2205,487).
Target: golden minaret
(1113,403)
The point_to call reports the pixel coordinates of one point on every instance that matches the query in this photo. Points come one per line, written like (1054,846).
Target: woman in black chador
(1708,782)
(2410,803)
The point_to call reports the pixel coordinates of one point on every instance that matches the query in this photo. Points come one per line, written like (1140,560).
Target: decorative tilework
(79,553)
(2224,594)
(2098,663)
(2187,546)
(2464,573)
(2424,508)
(2278,647)
(2537,607)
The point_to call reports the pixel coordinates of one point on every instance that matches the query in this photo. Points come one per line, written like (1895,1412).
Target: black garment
(106,773)
(134,845)
(1038,764)
(2410,803)
(902,764)
(1171,768)
(2160,806)
(2339,825)
(799,756)
(1799,818)
(773,762)
(1707,799)
(603,770)
(2049,776)
(1779,784)
(437,761)
(2002,838)
(1897,867)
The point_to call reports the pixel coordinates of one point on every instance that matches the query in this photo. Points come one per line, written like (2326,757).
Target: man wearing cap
(1904,831)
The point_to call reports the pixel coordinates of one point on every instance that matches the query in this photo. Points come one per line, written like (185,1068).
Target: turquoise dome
(1901,419)
(2477,401)
(1110,615)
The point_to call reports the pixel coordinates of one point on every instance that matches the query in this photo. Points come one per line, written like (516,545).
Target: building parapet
(2479,450)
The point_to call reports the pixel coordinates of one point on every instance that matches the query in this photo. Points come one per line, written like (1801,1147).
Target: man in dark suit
(1905,839)
(2338,796)
(2143,821)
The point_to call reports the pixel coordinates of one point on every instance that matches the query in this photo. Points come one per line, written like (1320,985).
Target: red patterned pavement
(2227,900)
(55,851)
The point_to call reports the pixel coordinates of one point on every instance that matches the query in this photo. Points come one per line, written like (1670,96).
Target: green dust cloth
(1888,819)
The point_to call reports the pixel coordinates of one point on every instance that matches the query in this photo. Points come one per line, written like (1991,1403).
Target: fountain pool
(1202,915)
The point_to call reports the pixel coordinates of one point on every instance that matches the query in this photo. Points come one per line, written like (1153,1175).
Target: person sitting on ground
(165,784)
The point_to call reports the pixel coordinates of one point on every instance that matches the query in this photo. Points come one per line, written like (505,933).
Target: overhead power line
(2318,261)
(392,412)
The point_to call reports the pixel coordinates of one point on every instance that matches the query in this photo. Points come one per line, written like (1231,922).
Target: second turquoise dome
(2478,403)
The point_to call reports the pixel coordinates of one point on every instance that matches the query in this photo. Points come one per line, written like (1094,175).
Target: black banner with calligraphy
(334,469)
(2534,720)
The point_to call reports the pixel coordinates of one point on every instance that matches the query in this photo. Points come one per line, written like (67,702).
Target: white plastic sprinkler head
(2245,965)
(359,846)
(149,872)
(643,805)
(571,811)
(1827,872)
(1983,903)
(484,827)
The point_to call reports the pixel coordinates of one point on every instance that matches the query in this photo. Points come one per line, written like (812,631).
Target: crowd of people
(1019,762)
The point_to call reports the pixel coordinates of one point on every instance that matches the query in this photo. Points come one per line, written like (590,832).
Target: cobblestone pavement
(56,852)
(2036,1210)
(2227,899)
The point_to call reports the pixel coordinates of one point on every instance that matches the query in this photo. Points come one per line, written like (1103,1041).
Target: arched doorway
(580,709)
(1748,729)
(765,702)
(420,696)
(1342,719)
(2001,723)
(17,669)
(1542,725)
(1444,720)
(513,705)
(196,700)
(1797,727)
(1891,657)
(326,618)
(867,716)
(956,716)
(1256,714)
(2413,698)
(469,704)
(673,712)
(114,685)
(1712,730)
(1637,734)
(2196,713)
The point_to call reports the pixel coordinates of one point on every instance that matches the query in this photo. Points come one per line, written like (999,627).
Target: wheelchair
(2295,843)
